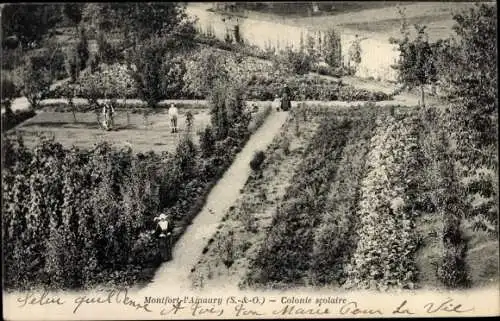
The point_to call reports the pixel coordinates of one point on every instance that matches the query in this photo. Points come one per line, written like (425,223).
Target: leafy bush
(332,48)
(207,142)
(148,59)
(257,160)
(384,255)
(328,71)
(9,91)
(204,71)
(36,82)
(11,119)
(107,52)
(294,62)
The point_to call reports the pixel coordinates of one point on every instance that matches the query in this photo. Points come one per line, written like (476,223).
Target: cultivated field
(332,200)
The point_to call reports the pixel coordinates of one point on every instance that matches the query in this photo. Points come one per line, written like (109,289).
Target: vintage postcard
(249,160)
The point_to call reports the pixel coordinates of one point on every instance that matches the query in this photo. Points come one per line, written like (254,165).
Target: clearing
(143,133)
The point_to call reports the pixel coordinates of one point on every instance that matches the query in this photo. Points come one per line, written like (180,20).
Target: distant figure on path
(173,113)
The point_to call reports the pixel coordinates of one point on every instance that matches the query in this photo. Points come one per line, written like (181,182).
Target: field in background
(143,134)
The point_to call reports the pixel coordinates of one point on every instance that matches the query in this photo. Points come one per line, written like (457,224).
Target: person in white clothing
(277,102)
(108,111)
(173,113)
(164,229)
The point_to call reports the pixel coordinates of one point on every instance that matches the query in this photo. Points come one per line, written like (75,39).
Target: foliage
(107,52)
(36,82)
(355,52)
(257,160)
(9,91)
(207,142)
(335,239)
(173,70)
(229,116)
(311,88)
(293,62)
(384,254)
(141,22)
(11,119)
(29,22)
(147,74)
(416,65)
(292,233)
(474,82)
(74,12)
(204,71)
(72,63)
(332,49)
(82,49)
(78,218)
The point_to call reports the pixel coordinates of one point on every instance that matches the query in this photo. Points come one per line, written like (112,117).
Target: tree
(36,82)
(82,49)
(416,65)
(29,22)
(71,63)
(332,49)
(148,61)
(355,52)
(173,70)
(467,66)
(311,49)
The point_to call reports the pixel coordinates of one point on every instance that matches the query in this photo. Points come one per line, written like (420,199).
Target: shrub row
(384,256)
(335,240)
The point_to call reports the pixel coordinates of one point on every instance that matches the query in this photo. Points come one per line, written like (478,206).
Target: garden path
(186,252)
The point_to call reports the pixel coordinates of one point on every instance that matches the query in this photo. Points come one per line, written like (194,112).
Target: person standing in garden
(108,112)
(173,114)
(164,230)
(285,100)
(277,102)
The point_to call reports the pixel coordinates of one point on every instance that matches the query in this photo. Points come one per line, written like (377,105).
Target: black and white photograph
(215,160)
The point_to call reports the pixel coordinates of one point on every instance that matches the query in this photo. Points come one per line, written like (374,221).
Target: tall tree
(332,49)
(416,65)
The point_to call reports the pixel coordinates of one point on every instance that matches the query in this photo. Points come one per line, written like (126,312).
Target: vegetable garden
(353,197)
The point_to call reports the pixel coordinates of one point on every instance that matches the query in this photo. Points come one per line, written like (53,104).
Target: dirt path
(175,273)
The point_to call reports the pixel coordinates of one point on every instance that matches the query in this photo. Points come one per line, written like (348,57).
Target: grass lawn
(154,135)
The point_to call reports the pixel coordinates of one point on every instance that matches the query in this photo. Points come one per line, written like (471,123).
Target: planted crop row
(286,253)
(387,243)
(335,239)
